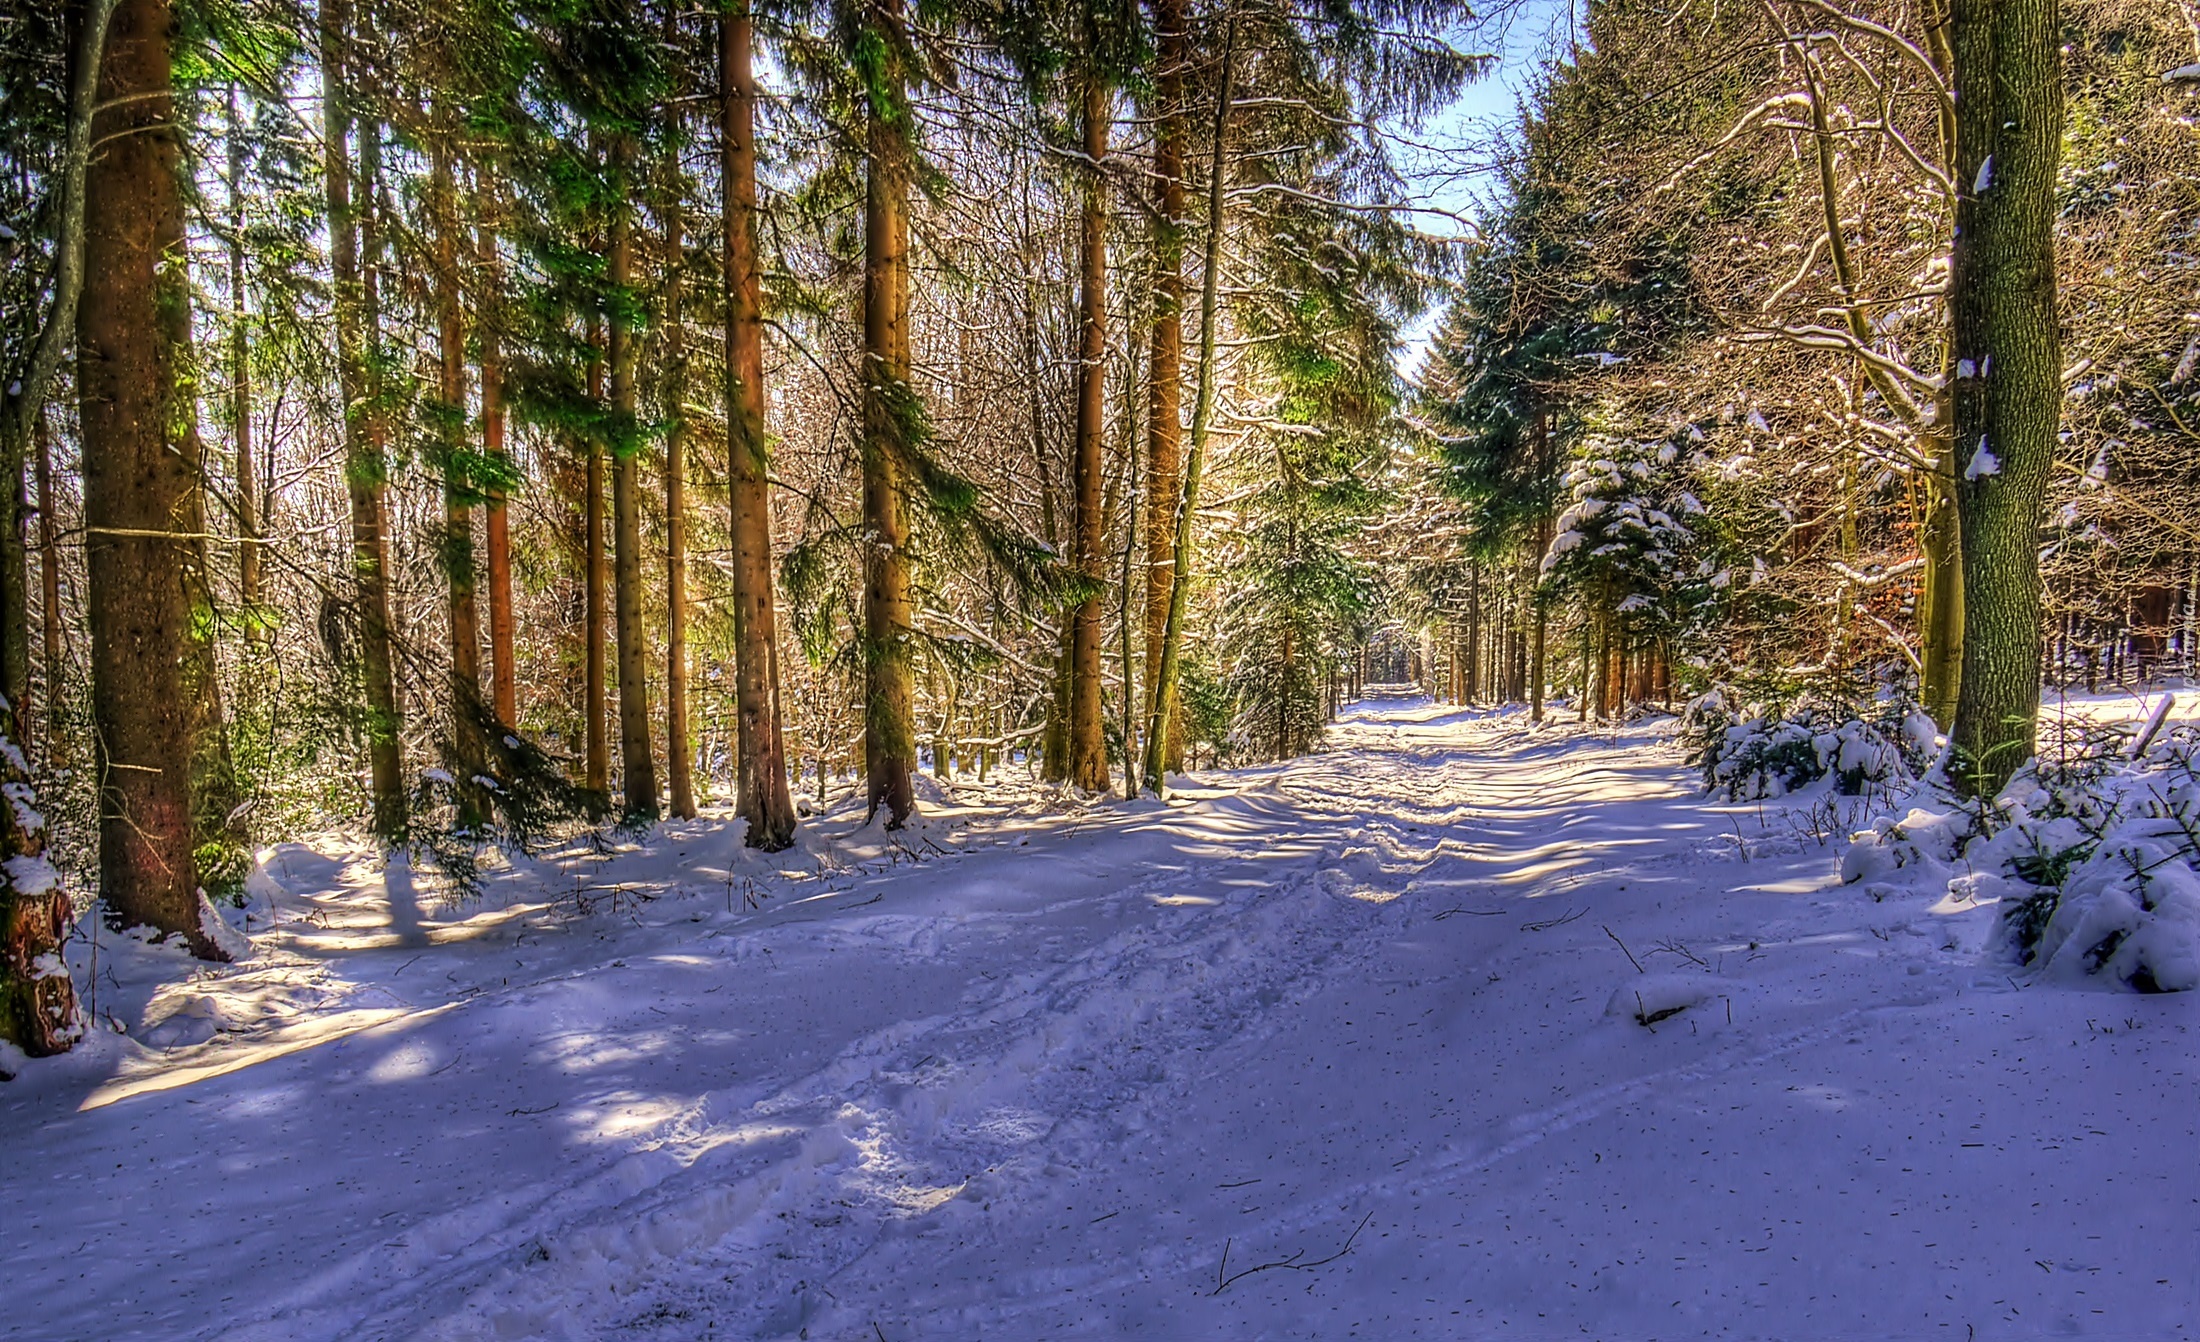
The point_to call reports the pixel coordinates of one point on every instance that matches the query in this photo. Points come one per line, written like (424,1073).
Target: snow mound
(232,943)
(2093,860)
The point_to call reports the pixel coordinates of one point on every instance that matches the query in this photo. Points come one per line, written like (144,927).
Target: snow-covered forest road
(1337,1048)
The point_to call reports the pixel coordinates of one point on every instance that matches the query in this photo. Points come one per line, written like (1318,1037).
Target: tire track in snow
(1061,1062)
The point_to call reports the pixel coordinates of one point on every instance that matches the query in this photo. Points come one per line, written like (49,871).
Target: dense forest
(483,423)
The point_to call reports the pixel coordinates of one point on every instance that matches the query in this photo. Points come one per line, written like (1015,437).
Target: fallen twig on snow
(1550,923)
(1224,1279)
(1624,951)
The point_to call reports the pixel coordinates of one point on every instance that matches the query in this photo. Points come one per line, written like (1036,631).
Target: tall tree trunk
(137,486)
(1088,751)
(496,516)
(240,394)
(637,764)
(366,469)
(1540,627)
(54,742)
(890,411)
(1172,645)
(594,578)
(679,741)
(2008,384)
(1473,650)
(760,738)
(1165,363)
(464,682)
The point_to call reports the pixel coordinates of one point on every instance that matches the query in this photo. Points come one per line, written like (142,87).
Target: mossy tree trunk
(138,485)
(890,413)
(2008,364)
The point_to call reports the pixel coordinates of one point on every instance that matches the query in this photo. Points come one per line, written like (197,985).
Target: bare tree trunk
(679,742)
(1088,753)
(637,764)
(2008,384)
(1202,413)
(1473,651)
(760,742)
(594,579)
(496,519)
(470,754)
(54,742)
(137,487)
(1165,367)
(365,466)
(240,394)
(889,414)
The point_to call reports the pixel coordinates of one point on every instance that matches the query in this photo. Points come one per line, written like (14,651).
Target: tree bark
(679,742)
(637,763)
(53,742)
(760,738)
(2008,384)
(464,679)
(137,486)
(594,579)
(1165,363)
(496,517)
(889,412)
(1088,754)
(240,396)
(366,468)
(1187,505)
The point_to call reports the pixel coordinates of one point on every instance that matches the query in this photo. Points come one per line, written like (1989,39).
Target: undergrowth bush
(1769,750)
(2091,855)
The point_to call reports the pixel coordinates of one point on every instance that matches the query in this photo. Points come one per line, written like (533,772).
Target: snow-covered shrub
(1766,751)
(1630,543)
(2093,859)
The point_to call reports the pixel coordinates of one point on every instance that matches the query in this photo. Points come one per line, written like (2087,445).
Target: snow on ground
(1348,1047)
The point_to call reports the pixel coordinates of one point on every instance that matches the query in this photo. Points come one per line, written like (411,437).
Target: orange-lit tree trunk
(637,764)
(1088,752)
(890,415)
(1165,369)
(1187,502)
(679,745)
(760,743)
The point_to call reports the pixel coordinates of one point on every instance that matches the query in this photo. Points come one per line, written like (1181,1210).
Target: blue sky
(1452,171)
